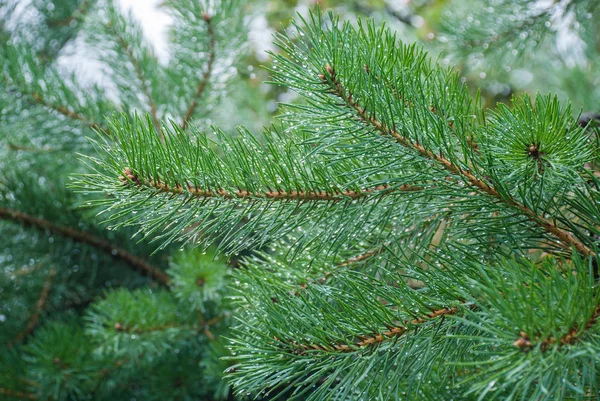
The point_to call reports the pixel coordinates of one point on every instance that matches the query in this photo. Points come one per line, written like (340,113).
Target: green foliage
(390,238)
(153,327)
(196,278)
(60,363)
(413,249)
(536,148)
(522,45)
(85,312)
(563,294)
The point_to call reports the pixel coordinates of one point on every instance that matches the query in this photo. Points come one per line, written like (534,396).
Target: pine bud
(330,70)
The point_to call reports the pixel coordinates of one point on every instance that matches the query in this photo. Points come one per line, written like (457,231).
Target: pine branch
(140,330)
(207,73)
(567,238)
(139,72)
(299,195)
(39,307)
(35,81)
(574,334)
(348,262)
(362,257)
(571,337)
(375,339)
(77,15)
(116,252)
(17,394)
(38,98)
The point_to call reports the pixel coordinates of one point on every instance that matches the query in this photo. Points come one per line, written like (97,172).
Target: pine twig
(139,72)
(299,195)
(38,98)
(116,252)
(207,73)
(39,307)
(355,259)
(567,238)
(378,338)
(77,15)
(17,394)
(571,337)
(363,256)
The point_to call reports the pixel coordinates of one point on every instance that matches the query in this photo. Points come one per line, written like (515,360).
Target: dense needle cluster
(389,238)
(467,270)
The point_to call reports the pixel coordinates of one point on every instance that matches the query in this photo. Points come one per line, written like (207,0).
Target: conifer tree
(411,246)
(405,242)
(87,313)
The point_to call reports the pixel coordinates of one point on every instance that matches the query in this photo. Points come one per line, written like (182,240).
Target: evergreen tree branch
(77,15)
(17,394)
(60,109)
(42,84)
(139,72)
(65,111)
(571,337)
(567,238)
(348,262)
(116,252)
(363,256)
(39,307)
(140,330)
(207,72)
(574,334)
(375,339)
(299,195)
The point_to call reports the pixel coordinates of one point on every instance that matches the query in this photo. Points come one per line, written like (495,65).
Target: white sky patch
(261,36)
(569,45)
(154,21)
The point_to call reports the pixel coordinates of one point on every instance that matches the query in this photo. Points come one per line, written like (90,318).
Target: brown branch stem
(378,338)
(203,84)
(38,98)
(524,342)
(39,307)
(139,72)
(116,252)
(17,394)
(567,238)
(77,15)
(298,195)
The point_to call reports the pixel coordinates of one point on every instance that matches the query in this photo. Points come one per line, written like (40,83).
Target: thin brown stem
(299,195)
(139,72)
(17,394)
(38,98)
(524,342)
(141,330)
(567,239)
(116,252)
(33,149)
(362,257)
(378,338)
(39,307)
(203,84)
(355,259)
(77,15)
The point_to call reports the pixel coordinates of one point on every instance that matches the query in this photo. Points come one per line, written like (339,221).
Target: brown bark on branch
(116,252)
(207,73)
(567,239)
(299,195)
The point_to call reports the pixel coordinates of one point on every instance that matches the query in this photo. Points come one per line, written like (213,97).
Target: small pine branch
(39,307)
(135,262)
(206,76)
